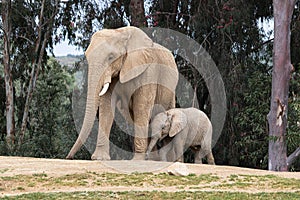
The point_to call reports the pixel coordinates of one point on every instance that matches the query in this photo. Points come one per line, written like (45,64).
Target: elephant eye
(165,128)
(166,125)
(111,56)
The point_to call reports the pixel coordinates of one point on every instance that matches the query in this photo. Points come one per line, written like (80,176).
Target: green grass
(148,179)
(235,183)
(158,195)
(159,180)
(254,181)
(3,170)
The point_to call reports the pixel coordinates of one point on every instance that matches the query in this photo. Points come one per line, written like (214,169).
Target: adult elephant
(125,68)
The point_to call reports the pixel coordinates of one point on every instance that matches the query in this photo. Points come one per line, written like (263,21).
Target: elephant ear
(138,58)
(178,121)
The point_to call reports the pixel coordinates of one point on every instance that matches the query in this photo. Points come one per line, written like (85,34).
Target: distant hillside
(68,60)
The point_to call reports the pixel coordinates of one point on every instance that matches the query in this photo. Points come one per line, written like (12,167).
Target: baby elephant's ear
(178,121)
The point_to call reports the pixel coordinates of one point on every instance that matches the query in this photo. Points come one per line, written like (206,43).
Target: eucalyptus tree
(28,29)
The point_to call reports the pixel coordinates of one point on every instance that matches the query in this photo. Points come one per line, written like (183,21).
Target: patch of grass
(78,176)
(39,175)
(108,179)
(111,179)
(158,180)
(3,170)
(143,195)
(233,177)
(275,181)
(254,181)
(9,178)
(167,180)
(31,185)
(20,188)
(144,180)
(69,180)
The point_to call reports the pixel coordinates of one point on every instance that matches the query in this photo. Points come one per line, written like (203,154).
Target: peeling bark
(282,67)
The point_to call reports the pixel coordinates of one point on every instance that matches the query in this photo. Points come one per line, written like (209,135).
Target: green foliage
(252,141)
(295,34)
(51,130)
(293,136)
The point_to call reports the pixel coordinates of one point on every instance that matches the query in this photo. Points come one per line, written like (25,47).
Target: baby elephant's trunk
(151,146)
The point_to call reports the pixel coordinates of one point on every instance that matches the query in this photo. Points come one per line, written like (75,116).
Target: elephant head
(112,53)
(168,123)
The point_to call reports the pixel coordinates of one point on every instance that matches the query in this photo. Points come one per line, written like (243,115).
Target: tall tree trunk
(43,30)
(282,67)
(137,12)
(10,120)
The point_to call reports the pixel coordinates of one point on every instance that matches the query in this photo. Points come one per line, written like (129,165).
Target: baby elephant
(187,127)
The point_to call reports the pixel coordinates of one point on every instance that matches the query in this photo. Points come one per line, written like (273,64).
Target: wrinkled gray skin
(126,68)
(187,127)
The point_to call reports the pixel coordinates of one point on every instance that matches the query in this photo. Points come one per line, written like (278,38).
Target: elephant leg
(143,101)
(140,142)
(210,159)
(178,148)
(206,152)
(170,152)
(106,116)
(180,159)
(167,99)
(198,160)
(165,152)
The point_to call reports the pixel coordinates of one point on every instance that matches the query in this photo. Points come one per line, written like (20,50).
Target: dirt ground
(12,166)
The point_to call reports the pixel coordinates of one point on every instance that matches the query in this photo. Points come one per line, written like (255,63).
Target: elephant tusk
(104,89)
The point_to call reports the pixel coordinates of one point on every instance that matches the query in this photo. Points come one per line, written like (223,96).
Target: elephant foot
(180,159)
(139,156)
(198,161)
(100,156)
(153,156)
(164,159)
(211,162)
(69,157)
(210,159)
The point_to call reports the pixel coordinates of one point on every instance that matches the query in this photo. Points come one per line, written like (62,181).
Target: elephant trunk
(89,117)
(151,145)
